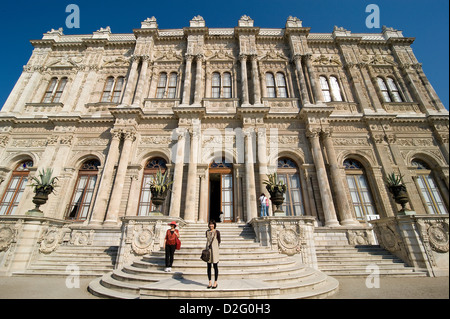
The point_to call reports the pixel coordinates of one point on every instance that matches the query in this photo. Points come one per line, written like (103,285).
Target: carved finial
(293,22)
(149,23)
(197,22)
(245,21)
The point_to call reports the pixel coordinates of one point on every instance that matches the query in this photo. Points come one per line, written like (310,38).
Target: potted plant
(159,185)
(397,188)
(44,184)
(276,189)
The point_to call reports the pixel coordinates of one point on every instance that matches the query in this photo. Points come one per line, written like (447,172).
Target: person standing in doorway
(212,243)
(170,244)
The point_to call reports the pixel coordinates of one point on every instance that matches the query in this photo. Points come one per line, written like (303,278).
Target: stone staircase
(246,270)
(90,260)
(346,260)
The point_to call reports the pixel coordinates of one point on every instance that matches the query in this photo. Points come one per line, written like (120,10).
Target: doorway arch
(221,191)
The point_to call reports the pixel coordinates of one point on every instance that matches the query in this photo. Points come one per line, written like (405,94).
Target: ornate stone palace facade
(219,109)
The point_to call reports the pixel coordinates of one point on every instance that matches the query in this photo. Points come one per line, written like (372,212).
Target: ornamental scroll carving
(288,238)
(7,236)
(51,237)
(141,237)
(435,234)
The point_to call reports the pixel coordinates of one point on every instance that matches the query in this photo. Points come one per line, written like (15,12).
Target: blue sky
(427,21)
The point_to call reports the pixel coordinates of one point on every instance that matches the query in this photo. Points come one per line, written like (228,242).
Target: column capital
(129,135)
(313,132)
(189,57)
(243,57)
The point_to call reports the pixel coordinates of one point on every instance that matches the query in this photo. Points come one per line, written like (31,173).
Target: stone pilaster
(101,202)
(175,204)
(324,186)
(344,210)
(244,82)
(112,216)
(251,199)
(187,80)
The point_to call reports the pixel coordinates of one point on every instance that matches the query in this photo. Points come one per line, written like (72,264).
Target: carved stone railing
(160,105)
(401,107)
(100,106)
(22,238)
(141,235)
(421,241)
(43,107)
(220,105)
(281,104)
(288,235)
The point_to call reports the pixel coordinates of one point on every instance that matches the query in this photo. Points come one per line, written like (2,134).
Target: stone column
(301,79)
(313,79)
(203,211)
(344,210)
(99,210)
(190,213)
(324,186)
(187,81)
(262,158)
(198,80)
(178,175)
(256,84)
(252,210)
(131,82)
(142,82)
(244,82)
(112,214)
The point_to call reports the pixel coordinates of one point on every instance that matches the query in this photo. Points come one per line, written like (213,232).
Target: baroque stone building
(219,109)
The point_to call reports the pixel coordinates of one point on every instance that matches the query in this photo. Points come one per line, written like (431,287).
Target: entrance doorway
(221,192)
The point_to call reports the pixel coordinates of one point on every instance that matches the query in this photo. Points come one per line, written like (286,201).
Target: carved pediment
(64,63)
(273,56)
(378,59)
(327,60)
(168,56)
(116,62)
(220,55)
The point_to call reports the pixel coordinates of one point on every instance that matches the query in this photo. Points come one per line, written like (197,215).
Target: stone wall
(421,241)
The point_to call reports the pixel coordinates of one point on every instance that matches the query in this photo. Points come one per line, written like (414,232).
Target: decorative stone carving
(358,237)
(7,236)
(143,239)
(50,239)
(438,236)
(289,242)
(82,238)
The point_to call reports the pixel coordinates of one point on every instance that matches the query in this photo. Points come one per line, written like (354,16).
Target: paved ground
(350,288)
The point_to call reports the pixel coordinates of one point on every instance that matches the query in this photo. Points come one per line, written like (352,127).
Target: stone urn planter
(276,189)
(159,187)
(398,190)
(44,184)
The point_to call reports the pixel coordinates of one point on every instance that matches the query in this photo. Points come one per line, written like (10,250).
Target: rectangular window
(227,196)
(13,194)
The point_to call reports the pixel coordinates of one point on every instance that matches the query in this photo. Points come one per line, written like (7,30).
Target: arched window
(172,87)
(215,85)
(390,91)
(270,85)
(161,90)
(335,89)
(226,85)
(15,188)
(281,85)
(428,188)
(113,89)
(276,88)
(359,190)
(293,202)
(54,90)
(325,89)
(83,192)
(330,89)
(145,198)
(167,86)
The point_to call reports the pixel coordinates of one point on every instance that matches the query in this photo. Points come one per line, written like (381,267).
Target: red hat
(172,223)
